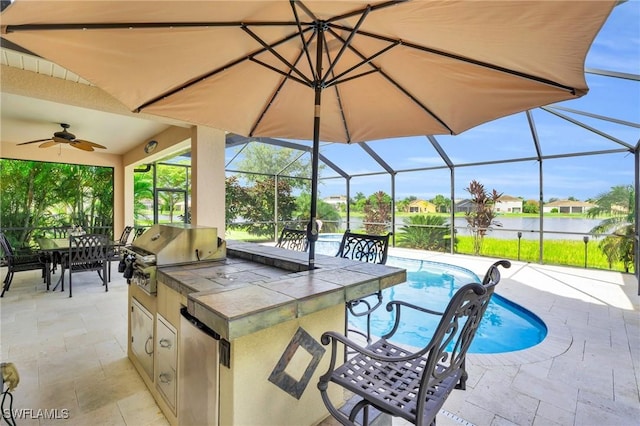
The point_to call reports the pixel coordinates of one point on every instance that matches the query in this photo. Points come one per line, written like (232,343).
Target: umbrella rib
(212,73)
(363,62)
(304,7)
(275,53)
(370,7)
(347,42)
(460,58)
(335,82)
(344,118)
(138,25)
(392,81)
(414,99)
(304,44)
(286,74)
(339,100)
(275,94)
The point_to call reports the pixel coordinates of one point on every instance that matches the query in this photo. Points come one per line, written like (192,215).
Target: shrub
(481,218)
(425,232)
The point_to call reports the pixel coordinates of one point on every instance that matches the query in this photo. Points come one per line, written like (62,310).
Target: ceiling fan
(66,137)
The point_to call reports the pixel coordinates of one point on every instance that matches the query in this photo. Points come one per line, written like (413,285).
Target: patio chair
(364,247)
(409,384)
(293,239)
(86,253)
(16,261)
(370,249)
(60,232)
(115,250)
(138,231)
(124,237)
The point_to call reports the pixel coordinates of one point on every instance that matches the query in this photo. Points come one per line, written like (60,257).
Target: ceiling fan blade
(60,140)
(81,145)
(93,144)
(36,141)
(48,143)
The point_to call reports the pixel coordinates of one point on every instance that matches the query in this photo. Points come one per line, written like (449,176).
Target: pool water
(505,327)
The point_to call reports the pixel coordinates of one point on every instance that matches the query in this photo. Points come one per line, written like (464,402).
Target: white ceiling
(26,118)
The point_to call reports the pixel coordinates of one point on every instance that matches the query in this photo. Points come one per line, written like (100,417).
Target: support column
(207,178)
(128,199)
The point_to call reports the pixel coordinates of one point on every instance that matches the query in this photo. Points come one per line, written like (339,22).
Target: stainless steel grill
(170,244)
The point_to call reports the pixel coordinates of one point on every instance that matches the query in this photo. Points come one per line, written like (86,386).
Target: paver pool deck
(71,353)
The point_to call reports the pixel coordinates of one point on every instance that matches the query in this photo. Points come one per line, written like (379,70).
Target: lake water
(556,228)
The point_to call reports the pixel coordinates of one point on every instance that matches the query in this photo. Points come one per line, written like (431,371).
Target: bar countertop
(259,286)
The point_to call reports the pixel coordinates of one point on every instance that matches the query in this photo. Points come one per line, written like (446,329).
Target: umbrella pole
(312,226)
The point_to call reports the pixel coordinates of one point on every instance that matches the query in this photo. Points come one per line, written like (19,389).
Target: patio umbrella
(333,71)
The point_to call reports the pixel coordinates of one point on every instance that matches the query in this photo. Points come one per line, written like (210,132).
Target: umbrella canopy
(334,71)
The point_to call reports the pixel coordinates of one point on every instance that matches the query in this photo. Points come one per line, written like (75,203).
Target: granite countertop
(259,286)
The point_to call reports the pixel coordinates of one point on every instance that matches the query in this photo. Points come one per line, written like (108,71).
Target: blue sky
(616,49)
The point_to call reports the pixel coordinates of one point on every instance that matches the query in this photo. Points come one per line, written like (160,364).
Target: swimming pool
(505,327)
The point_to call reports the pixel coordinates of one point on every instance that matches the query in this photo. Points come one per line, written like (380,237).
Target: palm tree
(620,205)
(142,190)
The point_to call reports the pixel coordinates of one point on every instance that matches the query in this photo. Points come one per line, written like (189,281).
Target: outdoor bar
(236,339)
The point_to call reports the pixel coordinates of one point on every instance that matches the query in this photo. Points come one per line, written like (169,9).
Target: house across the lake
(421,206)
(505,204)
(336,200)
(568,206)
(508,204)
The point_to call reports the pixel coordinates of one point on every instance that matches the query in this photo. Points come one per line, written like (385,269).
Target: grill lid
(181,243)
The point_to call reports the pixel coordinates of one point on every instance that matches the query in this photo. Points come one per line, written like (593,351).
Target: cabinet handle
(165,343)
(146,345)
(164,378)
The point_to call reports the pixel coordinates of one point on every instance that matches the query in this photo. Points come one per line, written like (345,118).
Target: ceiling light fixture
(150,146)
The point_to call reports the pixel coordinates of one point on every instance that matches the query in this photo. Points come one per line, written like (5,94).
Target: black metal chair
(293,239)
(86,253)
(370,249)
(115,252)
(138,231)
(364,247)
(19,262)
(60,231)
(124,237)
(402,383)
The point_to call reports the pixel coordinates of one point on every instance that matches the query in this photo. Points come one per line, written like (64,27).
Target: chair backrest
(7,250)
(492,276)
(363,247)
(139,231)
(88,249)
(293,239)
(456,331)
(60,231)
(124,237)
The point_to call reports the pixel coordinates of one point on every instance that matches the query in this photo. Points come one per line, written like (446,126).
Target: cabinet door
(142,336)
(167,357)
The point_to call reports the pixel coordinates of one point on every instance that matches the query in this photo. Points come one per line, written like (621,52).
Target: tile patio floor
(71,353)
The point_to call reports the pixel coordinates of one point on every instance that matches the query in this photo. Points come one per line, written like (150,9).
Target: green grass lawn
(556,252)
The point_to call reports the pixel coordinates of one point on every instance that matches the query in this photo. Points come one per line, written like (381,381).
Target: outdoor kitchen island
(265,313)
